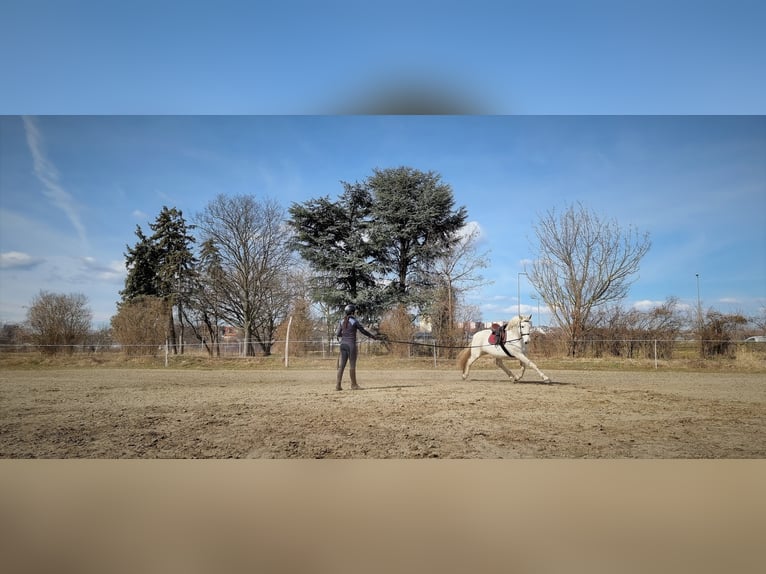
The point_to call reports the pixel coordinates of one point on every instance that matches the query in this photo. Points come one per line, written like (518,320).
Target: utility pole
(699,317)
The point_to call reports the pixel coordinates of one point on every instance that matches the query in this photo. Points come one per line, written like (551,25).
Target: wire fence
(229,349)
(417,348)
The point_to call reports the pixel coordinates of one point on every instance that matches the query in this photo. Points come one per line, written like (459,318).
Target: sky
(74,188)
(301,56)
(649,112)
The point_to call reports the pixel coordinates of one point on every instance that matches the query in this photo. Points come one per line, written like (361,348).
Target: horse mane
(514,321)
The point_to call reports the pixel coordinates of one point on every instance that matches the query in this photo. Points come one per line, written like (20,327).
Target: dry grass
(747,360)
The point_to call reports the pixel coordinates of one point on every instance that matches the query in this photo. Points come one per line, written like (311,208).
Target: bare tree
(59,322)
(302,327)
(719,333)
(457,271)
(397,325)
(252,249)
(583,262)
(632,332)
(273,298)
(12,334)
(203,311)
(759,321)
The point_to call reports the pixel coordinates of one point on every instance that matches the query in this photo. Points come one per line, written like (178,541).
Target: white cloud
(18,260)
(48,175)
(138,214)
(647,305)
(472,229)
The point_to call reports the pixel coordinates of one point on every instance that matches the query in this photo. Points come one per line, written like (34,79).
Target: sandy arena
(403,414)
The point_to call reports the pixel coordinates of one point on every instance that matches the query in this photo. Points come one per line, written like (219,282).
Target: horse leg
(499,363)
(471,360)
(524,360)
(523,370)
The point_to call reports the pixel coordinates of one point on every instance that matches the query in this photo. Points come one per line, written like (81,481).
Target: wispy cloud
(48,175)
(18,260)
(112,272)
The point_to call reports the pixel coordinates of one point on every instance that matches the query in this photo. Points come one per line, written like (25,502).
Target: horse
(518,330)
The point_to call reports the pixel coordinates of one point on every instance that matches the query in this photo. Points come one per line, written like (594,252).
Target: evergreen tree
(162,265)
(413,222)
(175,264)
(333,236)
(375,244)
(141,263)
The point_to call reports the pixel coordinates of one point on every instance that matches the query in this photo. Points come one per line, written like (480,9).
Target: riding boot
(337,385)
(354,386)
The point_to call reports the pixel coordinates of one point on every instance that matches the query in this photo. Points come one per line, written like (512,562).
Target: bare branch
(582,263)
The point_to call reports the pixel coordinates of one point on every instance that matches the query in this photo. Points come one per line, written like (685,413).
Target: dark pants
(347,355)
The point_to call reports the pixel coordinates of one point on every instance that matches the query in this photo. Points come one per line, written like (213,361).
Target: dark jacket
(347,335)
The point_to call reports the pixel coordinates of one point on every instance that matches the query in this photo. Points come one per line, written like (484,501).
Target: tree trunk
(249,351)
(172,329)
(181,328)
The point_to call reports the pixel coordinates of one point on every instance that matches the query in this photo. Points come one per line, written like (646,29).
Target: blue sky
(300,56)
(74,188)
(102,152)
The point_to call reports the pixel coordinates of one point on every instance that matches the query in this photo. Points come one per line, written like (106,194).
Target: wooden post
(287,341)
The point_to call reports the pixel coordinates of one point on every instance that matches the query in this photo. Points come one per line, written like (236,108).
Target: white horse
(518,330)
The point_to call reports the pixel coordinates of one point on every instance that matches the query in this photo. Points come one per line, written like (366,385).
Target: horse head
(521,327)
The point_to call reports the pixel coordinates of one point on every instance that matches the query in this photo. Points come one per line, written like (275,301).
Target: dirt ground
(404,414)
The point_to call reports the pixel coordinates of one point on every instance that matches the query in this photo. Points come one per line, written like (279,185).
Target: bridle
(522,334)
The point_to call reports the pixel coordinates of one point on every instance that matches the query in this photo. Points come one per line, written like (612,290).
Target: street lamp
(537,298)
(699,305)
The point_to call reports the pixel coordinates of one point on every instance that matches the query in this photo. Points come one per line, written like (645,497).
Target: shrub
(140,325)
(59,322)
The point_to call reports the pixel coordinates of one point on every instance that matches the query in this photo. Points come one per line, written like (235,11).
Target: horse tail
(462,358)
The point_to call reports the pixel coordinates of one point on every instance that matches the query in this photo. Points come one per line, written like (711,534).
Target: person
(346,334)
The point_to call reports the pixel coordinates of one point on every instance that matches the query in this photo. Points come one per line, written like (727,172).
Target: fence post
(655,353)
(287,341)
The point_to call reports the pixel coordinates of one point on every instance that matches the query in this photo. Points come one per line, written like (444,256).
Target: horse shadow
(543,383)
(538,383)
(382,387)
